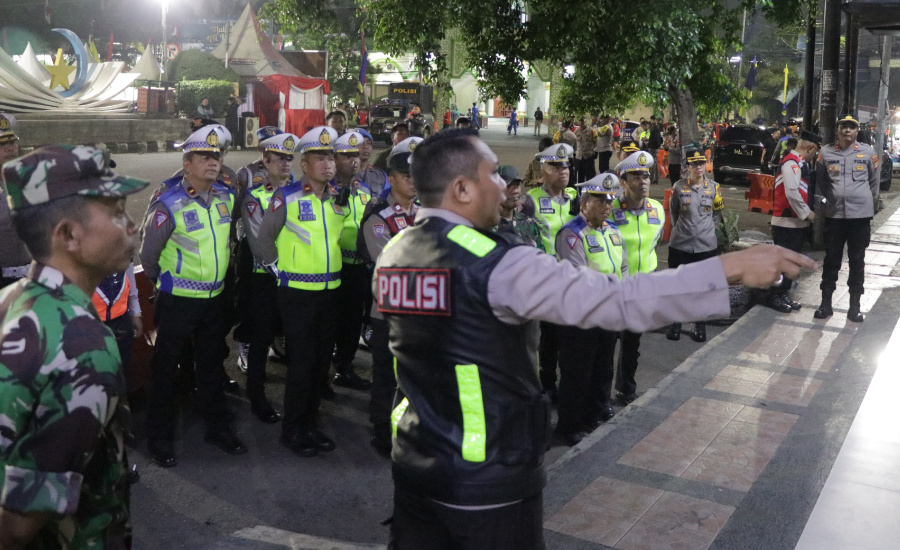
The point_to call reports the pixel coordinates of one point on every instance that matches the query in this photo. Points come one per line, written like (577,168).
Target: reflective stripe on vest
(195,258)
(474,437)
(641,233)
(309,256)
(550,215)
(359,198)
(780,205)
(112,308)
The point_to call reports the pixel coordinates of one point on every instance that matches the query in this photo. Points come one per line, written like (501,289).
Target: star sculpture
(59,72)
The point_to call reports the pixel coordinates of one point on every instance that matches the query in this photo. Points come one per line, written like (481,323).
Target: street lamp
(165,11)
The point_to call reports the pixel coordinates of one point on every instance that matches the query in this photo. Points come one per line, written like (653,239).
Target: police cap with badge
(318,140)
(209,139)
(284,143)
(638,162)
(694,155)
(7,129)
(604,185)
(58,171)
(348,144)
(848,120)
(557,153)
(400,157)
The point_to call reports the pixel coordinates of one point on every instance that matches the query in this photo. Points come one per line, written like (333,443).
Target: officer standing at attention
(513,216)
(847,174)
(459,301)
(299,241)
(261,308)
(386,216)
(791,214)
(186,254)
(640,219)
(552,206)
(355,278)
(696,209)
(14,257)
(586,361)
(63,398)
(253,174)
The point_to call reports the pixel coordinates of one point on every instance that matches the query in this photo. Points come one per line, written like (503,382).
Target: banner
(363,64)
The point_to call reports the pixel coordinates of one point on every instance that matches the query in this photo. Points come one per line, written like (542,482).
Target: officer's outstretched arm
(762,265)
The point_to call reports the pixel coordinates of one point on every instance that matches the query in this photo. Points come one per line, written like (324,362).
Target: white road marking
(299,541)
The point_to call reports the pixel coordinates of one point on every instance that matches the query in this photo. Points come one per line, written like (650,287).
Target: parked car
(384,116)
(740,150)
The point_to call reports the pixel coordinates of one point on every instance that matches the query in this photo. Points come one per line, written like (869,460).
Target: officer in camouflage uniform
(514,217)
(63,408)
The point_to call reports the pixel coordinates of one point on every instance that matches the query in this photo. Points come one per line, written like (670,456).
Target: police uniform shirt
(373,178)
(13,253)
(529,284)
(541,211)
(380,227)
(790,173)
(273,222)
(249,177)
(848,178)
(604,139)
(570,248)
(251,217)
(692,209)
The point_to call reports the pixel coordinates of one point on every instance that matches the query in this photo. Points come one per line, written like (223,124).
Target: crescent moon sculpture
(81,58)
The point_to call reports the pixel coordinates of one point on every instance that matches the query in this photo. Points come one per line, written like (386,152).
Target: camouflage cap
(58,171)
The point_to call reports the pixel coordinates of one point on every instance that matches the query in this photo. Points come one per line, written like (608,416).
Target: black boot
(699,334)
(674,332)
(825,311)
(853,313)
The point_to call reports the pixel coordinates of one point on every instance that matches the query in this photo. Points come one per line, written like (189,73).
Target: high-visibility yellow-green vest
(263,194)
(641,231)
(602,246)
(551,215)
(195,258)
(309,255)
(353,213)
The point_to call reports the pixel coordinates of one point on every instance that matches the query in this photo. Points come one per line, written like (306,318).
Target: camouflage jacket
(63,415)
(523,225)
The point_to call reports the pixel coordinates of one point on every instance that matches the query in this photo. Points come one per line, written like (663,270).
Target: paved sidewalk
(733,448)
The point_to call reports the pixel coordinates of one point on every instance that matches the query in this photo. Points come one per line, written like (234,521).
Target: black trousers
(680,257)
(309,318)
(791,238)
(421,523)
(674,173)
(261,322)
(586,375)
(855,233)
(603,161)
(178,321)
(122,329)
(628,362)
(351,303)
(548,354)
(384,384)
(586,168)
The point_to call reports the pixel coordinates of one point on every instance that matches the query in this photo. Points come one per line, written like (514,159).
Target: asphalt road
(270,498)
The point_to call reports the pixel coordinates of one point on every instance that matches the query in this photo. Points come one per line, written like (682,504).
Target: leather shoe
(350,379)
(265,413)
(778,303)
(605,413)
(855,316)
(570,439)
(319,439)
(626,398)
(161,453)
(699,333)
(230,386)
(674,332)
(225,440)
(794,305)
(300,445)
(823,312)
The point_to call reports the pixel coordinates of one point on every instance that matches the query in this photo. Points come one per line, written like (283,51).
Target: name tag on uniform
(306,211)
(192,221)
(337,209)
(615,239)
(401,222)
(545,204)
(224,214)
(653,217)
(833,165)
(619,217)
(413,291)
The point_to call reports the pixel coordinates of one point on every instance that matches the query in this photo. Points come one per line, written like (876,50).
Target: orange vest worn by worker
(111,297)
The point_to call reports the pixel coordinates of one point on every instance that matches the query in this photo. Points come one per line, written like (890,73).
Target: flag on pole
(363,64)
(92,49)
(784,97)
(109,53)
(750,83)
(47,11)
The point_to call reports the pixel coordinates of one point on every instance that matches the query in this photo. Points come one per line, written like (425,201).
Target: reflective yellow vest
(641,233)
(353,213)
(551,215)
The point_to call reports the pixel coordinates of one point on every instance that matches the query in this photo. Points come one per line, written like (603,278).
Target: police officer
(459,301)
(696,208)
(385,216)
(261,306)
(253,174)
(186,253)
(399,132)
(355,278)
(14,258)
(791,214)
(63,398)
(586,360)
(374,178)
(847,174)
(552,206)
(337,120)
(514,218)
(640,220)
(299,240)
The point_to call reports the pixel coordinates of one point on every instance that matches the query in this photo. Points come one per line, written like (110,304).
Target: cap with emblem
(7,128)
(601,184)
(809,136)
(640,161)
(225,137)
(284,143)
(558,153)
(630,147)
(58,171)
(848,120)
(348,143)
(207,139)
(694,155)
(266,132)
(400,157)
(510,174)
(318,140)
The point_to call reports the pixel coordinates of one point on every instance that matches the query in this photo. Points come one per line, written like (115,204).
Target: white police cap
(207,139)
(556,153)
(601,184)
(640,161)
(7,128)
(318,140)
(348,143)
(400,157)
(284,143)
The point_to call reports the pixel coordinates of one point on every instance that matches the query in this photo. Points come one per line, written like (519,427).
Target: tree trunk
(683,102)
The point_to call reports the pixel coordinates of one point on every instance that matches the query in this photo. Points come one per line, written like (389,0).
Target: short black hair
(544,143)
(333,114)
(34,224)
(396,127)
(439,160)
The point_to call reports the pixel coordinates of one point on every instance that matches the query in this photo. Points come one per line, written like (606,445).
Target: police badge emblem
(212,139)
(325,137)
(306,211)
(289,144)
(378,230)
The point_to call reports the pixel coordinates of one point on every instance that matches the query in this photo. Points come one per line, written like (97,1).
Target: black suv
(384,116)
(741,149)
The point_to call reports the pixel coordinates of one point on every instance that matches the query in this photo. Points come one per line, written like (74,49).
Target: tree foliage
(198,65)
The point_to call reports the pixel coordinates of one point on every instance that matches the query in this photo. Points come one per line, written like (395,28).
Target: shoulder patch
(571,240)
(160,218)
(471,240)
(251,207)
(277,203)
(378,229)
